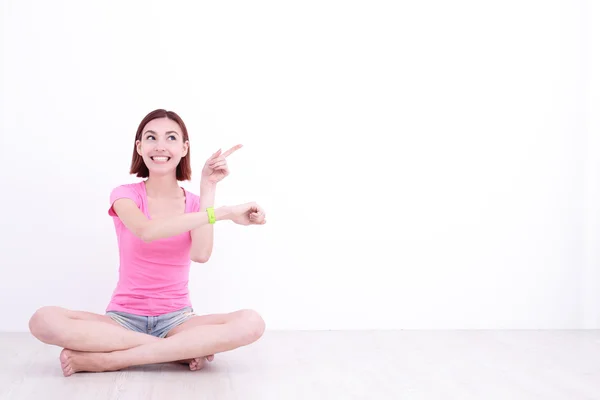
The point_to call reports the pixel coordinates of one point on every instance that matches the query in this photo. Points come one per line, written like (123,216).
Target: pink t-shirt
(153,277)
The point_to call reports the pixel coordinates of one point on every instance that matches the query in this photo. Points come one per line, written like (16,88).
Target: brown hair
(139,168)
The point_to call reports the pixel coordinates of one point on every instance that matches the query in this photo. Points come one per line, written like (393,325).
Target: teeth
(163,159)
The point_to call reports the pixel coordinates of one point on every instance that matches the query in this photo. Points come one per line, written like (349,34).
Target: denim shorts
(158,326)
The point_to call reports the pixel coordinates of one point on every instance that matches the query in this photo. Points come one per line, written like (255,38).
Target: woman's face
(162,146)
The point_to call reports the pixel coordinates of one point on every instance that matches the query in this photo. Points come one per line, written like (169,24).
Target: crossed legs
(95,342)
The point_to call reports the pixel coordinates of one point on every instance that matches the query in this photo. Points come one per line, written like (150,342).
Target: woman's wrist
(205,184)
(222,213)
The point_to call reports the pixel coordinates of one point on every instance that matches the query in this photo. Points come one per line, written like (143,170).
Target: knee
(253,325)
(42,324)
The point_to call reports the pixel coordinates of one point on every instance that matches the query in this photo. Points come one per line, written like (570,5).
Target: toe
(198,364)
(64,356)
(64,362)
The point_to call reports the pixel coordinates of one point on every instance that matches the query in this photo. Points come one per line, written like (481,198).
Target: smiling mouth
(160,158)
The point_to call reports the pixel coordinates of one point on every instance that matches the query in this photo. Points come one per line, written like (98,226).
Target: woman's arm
(153,229)
(214,170)
(202,237)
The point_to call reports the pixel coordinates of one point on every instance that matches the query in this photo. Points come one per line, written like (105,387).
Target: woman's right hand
(246,214)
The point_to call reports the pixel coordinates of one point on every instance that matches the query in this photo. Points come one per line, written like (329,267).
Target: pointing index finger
(231,150)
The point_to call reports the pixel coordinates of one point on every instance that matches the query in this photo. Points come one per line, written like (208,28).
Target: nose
(159,146)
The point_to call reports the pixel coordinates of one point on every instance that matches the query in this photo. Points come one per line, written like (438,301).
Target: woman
(161,228)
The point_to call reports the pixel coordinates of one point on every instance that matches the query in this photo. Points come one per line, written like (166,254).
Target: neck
(162,186)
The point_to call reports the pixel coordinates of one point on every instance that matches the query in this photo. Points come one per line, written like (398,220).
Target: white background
(425,164)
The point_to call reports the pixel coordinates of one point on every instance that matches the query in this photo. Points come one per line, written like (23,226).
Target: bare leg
(185,343)
(198,363)
(83,331)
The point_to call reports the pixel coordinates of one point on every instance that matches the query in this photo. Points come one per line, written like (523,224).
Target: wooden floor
(446,365)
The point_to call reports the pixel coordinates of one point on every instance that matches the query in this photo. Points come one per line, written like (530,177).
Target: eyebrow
(166,133)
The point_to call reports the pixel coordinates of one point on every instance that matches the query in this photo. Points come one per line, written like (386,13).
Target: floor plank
(334,364)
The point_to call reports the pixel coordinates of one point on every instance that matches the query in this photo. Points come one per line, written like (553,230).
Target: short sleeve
(123,192)
(194,202)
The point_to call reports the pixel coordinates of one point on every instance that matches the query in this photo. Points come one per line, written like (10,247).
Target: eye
(150,137)
(173,136)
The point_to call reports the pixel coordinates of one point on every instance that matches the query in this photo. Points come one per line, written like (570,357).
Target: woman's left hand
(215,168)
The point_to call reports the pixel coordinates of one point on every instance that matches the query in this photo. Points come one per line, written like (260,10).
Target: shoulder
(133,191)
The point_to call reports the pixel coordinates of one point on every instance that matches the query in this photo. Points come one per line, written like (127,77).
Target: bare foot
(73,361)
(198,363)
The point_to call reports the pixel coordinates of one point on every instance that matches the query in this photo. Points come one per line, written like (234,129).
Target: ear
(186,147)
(138,146)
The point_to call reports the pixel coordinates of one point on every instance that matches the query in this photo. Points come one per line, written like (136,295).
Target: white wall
(591,267)
(422,164)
